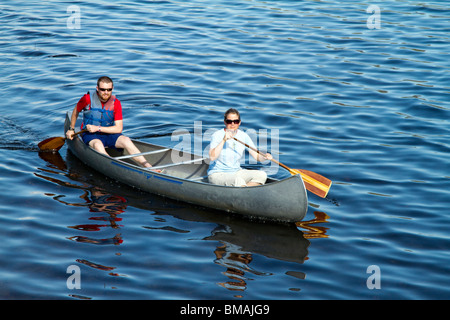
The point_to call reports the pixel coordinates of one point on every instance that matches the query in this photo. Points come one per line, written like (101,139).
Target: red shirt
(86,100)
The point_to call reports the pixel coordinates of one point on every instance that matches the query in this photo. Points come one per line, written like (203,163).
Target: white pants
(239,178)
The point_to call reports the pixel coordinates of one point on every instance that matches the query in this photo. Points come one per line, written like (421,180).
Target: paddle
(314,182)
(55,143)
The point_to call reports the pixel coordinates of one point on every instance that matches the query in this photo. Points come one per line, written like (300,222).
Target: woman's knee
(259,177)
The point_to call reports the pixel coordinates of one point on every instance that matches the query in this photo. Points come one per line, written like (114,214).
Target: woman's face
(232,122)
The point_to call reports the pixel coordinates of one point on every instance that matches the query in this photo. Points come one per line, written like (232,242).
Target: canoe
(184,178)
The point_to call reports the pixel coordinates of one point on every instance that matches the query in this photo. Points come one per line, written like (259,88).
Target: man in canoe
(225,153)
(102,117)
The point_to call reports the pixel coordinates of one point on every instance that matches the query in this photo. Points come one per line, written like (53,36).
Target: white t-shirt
(229,159)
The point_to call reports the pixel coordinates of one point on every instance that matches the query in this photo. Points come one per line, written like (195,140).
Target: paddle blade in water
(314,182)
(51,144)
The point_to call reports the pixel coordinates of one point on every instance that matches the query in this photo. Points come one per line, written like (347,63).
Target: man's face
(104,90)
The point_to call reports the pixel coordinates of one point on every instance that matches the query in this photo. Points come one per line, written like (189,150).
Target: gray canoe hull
(281,200)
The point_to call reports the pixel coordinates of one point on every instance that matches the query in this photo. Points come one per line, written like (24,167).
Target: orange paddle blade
(51,144)
(314,182)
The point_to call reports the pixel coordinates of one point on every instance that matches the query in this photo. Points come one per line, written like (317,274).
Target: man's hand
(92,129)
(69,134)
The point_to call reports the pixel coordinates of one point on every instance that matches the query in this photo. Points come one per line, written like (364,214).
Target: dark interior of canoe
(172,162)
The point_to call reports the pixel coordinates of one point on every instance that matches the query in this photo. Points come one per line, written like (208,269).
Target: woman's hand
(266,156)
(229,134)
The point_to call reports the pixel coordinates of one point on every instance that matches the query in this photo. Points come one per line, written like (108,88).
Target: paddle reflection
(230,260)
(312,231)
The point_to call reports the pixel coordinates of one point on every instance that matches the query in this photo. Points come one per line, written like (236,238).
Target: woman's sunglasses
(228,121)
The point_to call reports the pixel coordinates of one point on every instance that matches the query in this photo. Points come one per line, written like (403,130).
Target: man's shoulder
(116,100)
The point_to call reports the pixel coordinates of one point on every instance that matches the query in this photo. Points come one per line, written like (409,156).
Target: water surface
(368,108)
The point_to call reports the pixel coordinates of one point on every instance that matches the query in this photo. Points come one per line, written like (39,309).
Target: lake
(355,91)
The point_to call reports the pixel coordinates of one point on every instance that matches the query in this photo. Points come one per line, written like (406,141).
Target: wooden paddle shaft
(79,132)
(256,150)
(277,162)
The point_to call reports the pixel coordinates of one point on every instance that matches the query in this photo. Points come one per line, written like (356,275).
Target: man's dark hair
(104,79)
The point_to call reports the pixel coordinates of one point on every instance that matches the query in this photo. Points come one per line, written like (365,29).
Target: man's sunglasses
(228,121)
(104,89)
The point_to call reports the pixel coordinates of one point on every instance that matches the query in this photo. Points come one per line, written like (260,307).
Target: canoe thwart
(141,154)
(176,164)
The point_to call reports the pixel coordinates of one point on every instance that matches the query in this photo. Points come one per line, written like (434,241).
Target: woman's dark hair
(231,110)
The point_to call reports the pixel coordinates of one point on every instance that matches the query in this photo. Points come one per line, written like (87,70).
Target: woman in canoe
(226,153)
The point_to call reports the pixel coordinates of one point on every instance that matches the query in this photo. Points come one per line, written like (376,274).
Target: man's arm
(73,121)
(116,128)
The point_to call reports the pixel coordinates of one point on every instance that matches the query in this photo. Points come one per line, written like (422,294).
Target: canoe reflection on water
(240,239)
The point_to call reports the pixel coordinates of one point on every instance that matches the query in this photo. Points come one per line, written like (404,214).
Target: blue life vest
(99,115)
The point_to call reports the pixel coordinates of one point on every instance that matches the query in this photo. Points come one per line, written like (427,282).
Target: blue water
(367,108)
